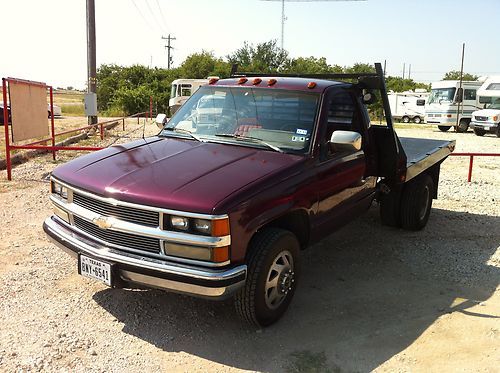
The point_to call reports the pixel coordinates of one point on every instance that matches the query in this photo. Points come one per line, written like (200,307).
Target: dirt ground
(371,298)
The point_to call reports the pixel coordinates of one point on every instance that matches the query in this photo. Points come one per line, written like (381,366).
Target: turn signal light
(220,227)
(220,254)
(311,85)
(242,80)
(271,82)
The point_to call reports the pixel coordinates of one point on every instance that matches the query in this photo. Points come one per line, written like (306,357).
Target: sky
(46,40)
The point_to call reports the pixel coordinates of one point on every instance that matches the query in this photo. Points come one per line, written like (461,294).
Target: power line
(154,17)
(163,16)
(142,16)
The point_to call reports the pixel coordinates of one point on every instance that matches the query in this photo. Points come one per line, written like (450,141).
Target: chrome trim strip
(105,253)
(430,159)
(142,230)
(140,207)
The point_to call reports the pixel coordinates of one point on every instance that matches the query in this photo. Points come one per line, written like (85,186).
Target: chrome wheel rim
(425,205)
(279,279)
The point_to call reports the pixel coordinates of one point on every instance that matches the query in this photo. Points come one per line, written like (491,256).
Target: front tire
(272,277)
(416,203)
(463,126)
(479,132)
(444,128)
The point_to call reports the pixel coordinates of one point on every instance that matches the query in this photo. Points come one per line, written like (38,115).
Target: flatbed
(424,153)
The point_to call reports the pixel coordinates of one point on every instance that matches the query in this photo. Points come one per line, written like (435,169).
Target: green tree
(263,57)
(455,75)
(308,65)
(202,65)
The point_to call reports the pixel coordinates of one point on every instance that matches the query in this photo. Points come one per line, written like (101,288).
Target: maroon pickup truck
(247,173)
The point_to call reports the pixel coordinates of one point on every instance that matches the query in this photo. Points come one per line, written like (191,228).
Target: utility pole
(91,54)
(169,47)
(404,67)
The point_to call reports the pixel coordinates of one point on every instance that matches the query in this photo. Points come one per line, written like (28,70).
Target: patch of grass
(310,362)
(72,109)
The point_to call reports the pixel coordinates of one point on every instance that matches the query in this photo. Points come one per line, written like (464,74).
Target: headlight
(59,190)
(203,226)
(495,118)
(179,222)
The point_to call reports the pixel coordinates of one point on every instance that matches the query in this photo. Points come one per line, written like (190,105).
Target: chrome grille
(126,240)
(129,214)
(480,118)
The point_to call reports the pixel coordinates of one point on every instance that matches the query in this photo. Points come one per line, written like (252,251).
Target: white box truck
(408,106)
(487,120)
(181,90)
(446,101)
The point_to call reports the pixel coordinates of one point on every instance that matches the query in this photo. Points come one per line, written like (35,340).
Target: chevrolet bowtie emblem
(102,222)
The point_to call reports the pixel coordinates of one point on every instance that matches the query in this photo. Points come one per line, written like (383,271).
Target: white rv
(444,102)
(181,90)
(488,119)
(408,106)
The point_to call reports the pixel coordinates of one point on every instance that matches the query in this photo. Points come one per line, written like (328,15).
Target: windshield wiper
(182,130)
(255,139)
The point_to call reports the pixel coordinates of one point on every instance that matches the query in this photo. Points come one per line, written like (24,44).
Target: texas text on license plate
(93,268)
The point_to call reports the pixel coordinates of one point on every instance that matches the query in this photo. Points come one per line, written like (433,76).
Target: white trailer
(487,120)
(408,106)
(181,90)
(446,101)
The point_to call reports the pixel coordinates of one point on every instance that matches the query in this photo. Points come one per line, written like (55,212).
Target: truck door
(343,191)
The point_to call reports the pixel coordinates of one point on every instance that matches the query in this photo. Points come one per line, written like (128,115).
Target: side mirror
(345,141)
(160,120)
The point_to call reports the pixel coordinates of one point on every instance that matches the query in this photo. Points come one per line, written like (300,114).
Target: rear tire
(406,119)
(444,128)
(417,120)
(416,203)
(273,272)
(479,132)
(498,131)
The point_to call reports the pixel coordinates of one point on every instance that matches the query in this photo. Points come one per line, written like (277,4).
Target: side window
(186,90)
(469,94)
(341,114)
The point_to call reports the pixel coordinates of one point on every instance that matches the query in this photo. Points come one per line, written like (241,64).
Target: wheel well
(296,222)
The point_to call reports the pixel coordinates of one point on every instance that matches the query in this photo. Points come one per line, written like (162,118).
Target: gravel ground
(371,297)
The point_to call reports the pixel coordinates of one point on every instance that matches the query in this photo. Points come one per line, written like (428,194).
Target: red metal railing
(471,160)
(39,144)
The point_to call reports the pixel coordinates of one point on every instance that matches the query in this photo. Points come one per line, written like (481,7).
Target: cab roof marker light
(311,85)
(257,81)
(242,80)
(213,80)
(271,82)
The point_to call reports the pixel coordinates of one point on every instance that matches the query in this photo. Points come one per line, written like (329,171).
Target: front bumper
(486,126)
(150,272)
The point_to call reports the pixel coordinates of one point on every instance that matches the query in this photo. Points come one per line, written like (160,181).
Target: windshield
(173,92)
(495,104)
(277,119)
(441,95)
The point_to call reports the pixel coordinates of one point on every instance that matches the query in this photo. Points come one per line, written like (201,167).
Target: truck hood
(486,112)
(172,173)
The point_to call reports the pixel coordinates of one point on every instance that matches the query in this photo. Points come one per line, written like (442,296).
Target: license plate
(93,268)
